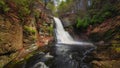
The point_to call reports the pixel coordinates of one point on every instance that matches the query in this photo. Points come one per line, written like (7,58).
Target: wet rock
(100,42)
(40,65)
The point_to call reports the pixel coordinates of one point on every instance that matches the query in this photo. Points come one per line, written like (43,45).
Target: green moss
(116,47)
(50,29)
(29,29)
(117,36)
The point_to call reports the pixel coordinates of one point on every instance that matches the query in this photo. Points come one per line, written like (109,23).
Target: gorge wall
(23,25)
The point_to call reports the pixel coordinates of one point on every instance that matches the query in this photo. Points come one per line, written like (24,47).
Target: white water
(63,37)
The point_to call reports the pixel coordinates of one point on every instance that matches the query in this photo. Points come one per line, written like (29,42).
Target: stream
(65,53)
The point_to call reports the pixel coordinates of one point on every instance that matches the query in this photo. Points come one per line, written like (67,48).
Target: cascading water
(67,52)
(63,37)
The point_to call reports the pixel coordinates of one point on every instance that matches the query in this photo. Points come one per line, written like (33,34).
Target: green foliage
(50,28)
(24,12)
(79,22)
(29,29)
(4,6)
(97,19)
(100,17)
(36,13)
(108,11)
(24,7)
(51,6)
(116,47)
(62,6)
(101,10)
(65,6)
(83,23)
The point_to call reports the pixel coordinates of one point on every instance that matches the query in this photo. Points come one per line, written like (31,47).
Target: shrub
(79,22)
(83,23)
(96,19)
(3,6)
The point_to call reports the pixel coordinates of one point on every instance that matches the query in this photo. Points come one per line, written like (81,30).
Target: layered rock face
(10,39)
(22,29)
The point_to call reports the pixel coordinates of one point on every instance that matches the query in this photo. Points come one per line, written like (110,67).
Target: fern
(83,23)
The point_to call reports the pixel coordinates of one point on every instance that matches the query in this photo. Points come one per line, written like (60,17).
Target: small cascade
(63,37)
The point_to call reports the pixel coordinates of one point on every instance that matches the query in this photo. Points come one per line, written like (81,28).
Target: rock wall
(10,39)
(21,32)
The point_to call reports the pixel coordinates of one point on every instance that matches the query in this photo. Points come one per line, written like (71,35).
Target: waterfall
(63,37)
